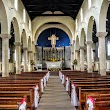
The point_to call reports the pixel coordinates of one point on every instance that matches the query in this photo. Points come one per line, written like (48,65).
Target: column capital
(29,51)
(25,48)
(76,50)
(17,43)
(101,34)
(89,42)
(4,36)
(82,47)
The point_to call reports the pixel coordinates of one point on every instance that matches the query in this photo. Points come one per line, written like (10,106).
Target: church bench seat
(84,92)
(89,83)
(8,107)
(29,92)
(19,85)
(102,105)
(101,100)
(10,103)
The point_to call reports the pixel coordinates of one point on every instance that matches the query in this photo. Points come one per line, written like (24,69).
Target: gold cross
(53,39)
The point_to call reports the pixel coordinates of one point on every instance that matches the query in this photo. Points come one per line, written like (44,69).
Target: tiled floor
(55,97)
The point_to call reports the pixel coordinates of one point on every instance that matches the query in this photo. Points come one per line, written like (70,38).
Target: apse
(63,38)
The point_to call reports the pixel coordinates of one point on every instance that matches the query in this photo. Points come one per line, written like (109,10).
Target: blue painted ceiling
(43,38)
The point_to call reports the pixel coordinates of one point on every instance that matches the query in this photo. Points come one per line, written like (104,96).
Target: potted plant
(75,62)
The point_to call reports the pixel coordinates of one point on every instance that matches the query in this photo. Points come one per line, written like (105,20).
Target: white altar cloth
(57,64)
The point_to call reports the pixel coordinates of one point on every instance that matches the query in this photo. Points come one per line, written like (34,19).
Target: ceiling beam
(32,11)
(35,5)
(36,14)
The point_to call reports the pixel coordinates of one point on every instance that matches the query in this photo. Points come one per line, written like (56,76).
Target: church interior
(54,55)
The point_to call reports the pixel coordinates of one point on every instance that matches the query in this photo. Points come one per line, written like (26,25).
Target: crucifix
(53,39)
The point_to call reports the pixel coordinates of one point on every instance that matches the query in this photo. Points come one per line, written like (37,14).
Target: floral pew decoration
(74,98)
(23,104)
(36,96)
(90,102)
(45,80)
(67,83)
(63,79)
(60,75)
(42,85)
(47,76)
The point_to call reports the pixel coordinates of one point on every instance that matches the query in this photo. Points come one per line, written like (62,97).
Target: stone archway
(4,19)
(59,26)
(102,16)
(5,39)
(39,21)
(17,45)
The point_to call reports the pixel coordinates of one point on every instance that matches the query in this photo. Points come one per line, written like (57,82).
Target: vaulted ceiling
(39,7)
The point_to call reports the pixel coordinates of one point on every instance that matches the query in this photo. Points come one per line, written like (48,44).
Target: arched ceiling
(53,7)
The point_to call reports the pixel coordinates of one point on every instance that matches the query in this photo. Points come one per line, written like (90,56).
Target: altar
(54,65)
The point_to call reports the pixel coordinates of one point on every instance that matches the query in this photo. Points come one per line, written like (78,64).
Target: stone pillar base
(5,75)
(103,72)
(18,72)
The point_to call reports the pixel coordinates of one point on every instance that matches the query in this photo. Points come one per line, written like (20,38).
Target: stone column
(89,56)
(5,60)
(29,60)
(102,52)
(94,54)
(77,58)
(18,57)
(25,59)
(72,56)
(82,58)
(35,56)
(33,50)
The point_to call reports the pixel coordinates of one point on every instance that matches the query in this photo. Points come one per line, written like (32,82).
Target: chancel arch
(60,26)
(39,21)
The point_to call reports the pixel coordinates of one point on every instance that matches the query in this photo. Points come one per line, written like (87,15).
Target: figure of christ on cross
(53,39)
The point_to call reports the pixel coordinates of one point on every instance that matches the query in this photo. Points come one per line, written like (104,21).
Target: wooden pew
(18,86)
(101,101)
(89,83)
(10,102)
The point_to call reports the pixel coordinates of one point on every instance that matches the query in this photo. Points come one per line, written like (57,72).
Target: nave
(45,90)
(55,97)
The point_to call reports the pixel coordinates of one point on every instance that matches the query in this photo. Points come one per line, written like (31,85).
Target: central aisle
(55,97)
